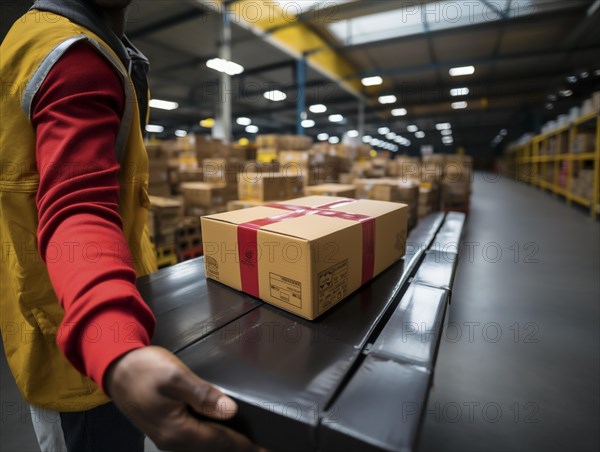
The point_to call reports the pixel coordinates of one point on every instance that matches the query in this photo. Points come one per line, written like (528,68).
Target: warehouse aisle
(518,366)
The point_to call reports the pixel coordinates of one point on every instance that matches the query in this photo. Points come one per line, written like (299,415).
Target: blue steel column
(300,94)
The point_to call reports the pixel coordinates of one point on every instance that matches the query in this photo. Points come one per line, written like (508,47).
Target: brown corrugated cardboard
(239,204)
(268,187)
(201,194)
(302,262)
(344,191)
(223,171)
(163,217)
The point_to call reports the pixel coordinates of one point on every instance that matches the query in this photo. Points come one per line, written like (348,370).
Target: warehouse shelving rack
(548,161)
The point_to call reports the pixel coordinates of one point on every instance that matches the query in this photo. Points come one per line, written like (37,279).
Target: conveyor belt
(337,383)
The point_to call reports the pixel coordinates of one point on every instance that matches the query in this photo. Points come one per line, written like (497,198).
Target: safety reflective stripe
(36,81)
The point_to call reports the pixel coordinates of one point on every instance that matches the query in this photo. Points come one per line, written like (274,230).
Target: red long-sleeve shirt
(76,114)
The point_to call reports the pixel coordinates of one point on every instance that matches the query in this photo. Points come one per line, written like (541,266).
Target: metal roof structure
(523,53)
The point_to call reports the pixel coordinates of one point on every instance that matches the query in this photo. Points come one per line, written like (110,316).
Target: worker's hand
(156,391)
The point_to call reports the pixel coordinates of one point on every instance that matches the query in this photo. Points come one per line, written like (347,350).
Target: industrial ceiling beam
(472,61)
(295,40)
(169,22)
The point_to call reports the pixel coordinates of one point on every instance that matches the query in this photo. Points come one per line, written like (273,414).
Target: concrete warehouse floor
(518,367)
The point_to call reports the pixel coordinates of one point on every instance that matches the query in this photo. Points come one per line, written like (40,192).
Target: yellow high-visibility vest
(30,312)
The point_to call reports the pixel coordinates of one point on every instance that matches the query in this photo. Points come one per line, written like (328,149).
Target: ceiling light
(390,136)
(399,112)
(308,123)
(227,67)
(352,133)
(207,123)
(459,105)
(275,95)
(252,129)
(395,149)
(383,130)
(447,140)
(375,142)
(412,128)
(566,93)
(446,133)
(550,106)
(420,135)
(318,108)
(584,74)
(552,97)
(572,79)
(443,126)
(372,81)
(459,92)
(336,118)
(407,143)
(163,104)
(503,132)
(465,70)
(323,136)
(243,121)
(181,133)
(390,99)
(367,138)
(334,140)
(154,128)
(597,72)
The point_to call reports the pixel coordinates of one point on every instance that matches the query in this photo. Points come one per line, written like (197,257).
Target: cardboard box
(584,142)
(300,260)
(344,191)
(159,189)
(223,171)
(239,204)
(202,194)
(269,187)
(163,218)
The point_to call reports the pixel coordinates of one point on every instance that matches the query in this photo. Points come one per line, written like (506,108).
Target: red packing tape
(247,234)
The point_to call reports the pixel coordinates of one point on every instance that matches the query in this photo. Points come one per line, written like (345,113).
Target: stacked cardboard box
(344,191)
(392,190)
(269,146)
(405,192)
(191,175)
(427,199)
(584,142)
(207,147)
(223,171)
(362,169)
(269,186)
(456,183)
(163,218)
(405,168)
(583,184)
(158,182)
(346,178)
(432,168)
(201,198)
(315,167)
(379,167)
